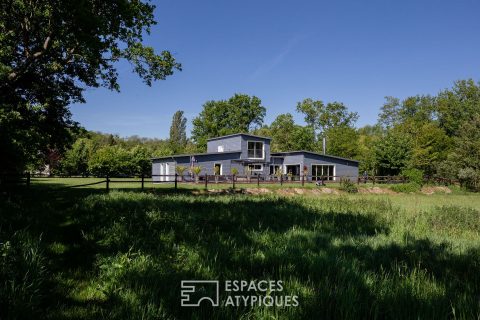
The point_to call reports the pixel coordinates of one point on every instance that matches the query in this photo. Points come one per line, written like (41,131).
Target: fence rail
(232,180)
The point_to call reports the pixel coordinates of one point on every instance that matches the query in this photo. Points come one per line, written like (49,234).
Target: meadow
(82,253)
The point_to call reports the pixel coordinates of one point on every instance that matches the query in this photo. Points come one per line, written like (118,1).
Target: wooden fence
(232,180)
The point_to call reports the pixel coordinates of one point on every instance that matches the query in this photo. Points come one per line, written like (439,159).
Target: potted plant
(234,172)
(196,171)
(180,170)
(278,173)
(216,172)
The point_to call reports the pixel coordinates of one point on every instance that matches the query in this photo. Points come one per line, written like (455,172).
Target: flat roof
(194,154)
(311,152)
(239,134)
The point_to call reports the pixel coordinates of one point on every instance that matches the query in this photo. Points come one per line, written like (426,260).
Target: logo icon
(193,292)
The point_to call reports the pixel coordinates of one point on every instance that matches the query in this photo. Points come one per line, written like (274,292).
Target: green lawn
(80,253)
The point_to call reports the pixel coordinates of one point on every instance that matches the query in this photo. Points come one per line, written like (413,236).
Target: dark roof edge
(239,134)
(315,153)
(194,154)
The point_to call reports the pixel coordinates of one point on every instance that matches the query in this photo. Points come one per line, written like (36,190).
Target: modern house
(250,153)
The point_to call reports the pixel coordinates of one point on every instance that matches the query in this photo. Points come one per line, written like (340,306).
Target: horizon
(355,53)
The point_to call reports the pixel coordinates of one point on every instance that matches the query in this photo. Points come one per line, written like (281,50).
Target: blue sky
(356,52)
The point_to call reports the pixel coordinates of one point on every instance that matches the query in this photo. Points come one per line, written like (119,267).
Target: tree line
(434,135)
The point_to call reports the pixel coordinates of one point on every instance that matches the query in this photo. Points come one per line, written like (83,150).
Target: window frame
(332,177)
(263,149)
(256,164)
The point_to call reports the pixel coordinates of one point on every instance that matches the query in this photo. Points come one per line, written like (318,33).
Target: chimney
(324,145)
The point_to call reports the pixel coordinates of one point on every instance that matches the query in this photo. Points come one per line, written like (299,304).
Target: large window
(255,150)
(255,167)
(323,171)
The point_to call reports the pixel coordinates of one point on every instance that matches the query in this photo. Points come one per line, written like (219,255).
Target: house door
(217,168)
(294,169)
(274,168)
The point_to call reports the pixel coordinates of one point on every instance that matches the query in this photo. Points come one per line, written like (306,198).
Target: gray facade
(232,151)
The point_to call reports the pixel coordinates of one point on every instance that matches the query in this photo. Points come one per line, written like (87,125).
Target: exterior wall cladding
(232,151)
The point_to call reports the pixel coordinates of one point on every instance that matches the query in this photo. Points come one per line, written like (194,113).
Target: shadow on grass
(123,256)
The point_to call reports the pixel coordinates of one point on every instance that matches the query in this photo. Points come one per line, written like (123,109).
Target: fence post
(28,179)
(281,179)
(258,180)
(176,179)
(373,180)
(233,181)
(143,180)
(108,183)
(303,180)
(206,181)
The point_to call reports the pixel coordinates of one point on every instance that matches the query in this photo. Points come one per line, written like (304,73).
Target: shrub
(413,176)
(348,186)
(234,171)
(196,170)
(406,187)
(469,178)
(180,170)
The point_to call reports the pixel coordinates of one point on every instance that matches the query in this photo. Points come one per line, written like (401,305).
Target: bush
(348,186)
(406,187)
(413,175)
(469,178)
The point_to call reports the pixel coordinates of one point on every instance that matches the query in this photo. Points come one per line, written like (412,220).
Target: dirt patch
(257,191)
(435,189)
(324,191)
(285,192)
(376,190)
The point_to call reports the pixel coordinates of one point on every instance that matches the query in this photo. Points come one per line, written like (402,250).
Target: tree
(430,145)
(420,109)
(287,136)
(368,137)
(342,141)
(76,159)
(239,114)
(389,112)
(178,132)
(322,117)
(467,145)
(140,160)
(51,51)
(110,161)
(457,105)
(392,153)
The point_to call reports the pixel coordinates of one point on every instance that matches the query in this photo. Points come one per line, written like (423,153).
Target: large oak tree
(51,51)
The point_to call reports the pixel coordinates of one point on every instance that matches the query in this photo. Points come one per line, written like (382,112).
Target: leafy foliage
(51,52)
(413,175)
(406,187)
(239,114)
(348,185)
(178,132)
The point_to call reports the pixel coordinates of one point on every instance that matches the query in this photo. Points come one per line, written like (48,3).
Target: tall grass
(122,255)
